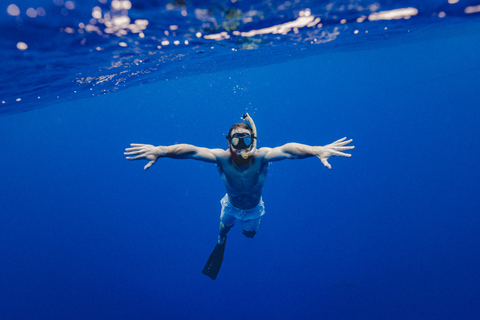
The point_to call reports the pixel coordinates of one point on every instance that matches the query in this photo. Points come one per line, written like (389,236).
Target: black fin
(212,267)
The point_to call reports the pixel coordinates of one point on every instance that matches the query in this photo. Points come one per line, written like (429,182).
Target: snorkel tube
(245,154)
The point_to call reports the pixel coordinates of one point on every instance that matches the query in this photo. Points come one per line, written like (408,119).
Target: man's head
(240,125)
(240,137)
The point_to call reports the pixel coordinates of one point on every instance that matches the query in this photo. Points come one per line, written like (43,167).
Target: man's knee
(249,234)
(224,227)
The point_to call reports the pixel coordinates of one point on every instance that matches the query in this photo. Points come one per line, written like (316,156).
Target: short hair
(242,125)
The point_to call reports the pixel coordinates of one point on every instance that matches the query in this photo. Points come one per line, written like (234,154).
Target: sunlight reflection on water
(97,47)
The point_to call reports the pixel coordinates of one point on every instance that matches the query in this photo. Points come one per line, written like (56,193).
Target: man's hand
(144,151)
(332,149)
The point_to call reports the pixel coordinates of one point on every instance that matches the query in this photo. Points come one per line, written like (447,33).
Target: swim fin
(212,268)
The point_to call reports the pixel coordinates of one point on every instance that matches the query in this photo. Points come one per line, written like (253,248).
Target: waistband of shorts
(228,200)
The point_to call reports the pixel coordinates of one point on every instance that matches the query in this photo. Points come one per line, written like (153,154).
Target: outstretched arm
(301,151)
(177,151)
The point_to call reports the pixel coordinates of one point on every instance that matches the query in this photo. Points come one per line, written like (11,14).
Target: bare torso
(243,179)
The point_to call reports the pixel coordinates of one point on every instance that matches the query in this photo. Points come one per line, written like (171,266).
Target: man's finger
(342,143)
(148,165)
(326,164)
(341,154)
(129,152)
(344,148)
(135,158)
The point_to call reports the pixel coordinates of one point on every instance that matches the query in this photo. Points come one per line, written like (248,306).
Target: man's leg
(227,219)
(249,234)
(250,227)
(222,232)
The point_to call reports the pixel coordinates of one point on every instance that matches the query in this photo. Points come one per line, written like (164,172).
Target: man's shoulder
(262,152)
(221,154)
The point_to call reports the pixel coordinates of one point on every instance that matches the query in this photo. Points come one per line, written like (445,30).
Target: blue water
(390,233)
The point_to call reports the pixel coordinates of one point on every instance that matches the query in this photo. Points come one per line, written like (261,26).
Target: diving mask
(241,141)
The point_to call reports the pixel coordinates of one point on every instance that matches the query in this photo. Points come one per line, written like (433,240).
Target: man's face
(237,130)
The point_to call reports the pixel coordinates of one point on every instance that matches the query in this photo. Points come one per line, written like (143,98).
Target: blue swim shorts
(250,218)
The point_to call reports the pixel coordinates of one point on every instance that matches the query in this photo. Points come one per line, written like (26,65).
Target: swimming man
(243,169)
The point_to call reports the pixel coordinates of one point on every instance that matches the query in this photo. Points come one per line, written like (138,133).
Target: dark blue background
(391,233)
